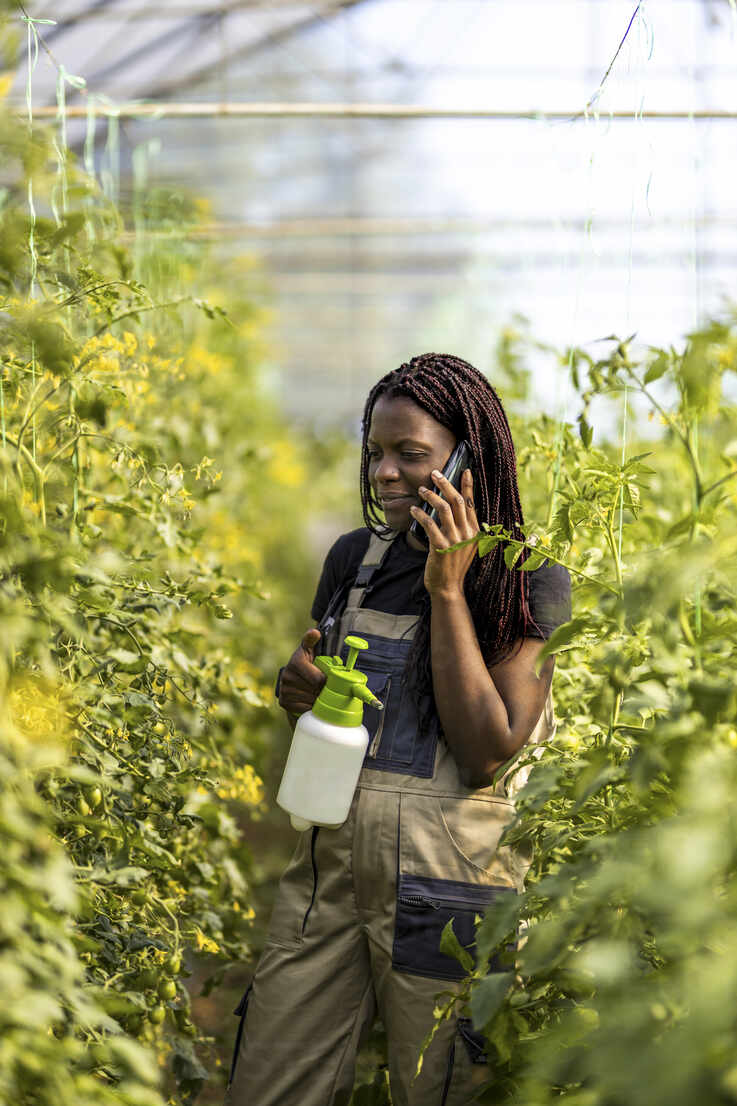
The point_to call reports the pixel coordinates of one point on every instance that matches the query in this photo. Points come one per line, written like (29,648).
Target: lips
(394,498)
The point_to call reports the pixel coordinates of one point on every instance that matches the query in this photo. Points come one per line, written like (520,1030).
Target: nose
(386,470)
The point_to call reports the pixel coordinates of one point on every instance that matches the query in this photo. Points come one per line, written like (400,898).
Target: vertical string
(639,101)
(60,143)
(89,162)
(32,55)
(59,190)
(140,175)
(563,408)
(110,172)
(141,157)
(696,263)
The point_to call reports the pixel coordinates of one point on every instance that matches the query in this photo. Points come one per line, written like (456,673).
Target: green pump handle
(341,699)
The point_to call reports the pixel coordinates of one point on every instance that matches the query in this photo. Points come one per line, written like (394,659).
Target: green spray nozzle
(355,644)
(341,699)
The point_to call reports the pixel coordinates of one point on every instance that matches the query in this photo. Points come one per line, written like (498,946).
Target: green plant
(149,494)
(622,987)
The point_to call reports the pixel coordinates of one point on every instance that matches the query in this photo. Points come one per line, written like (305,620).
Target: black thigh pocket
(241,1010)
(424,907)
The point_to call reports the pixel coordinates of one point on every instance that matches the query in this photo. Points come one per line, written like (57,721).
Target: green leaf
(561,637)
(451,946)
(487,543)
(585,430)
(133,1059)
(499,922)
(512,553)
(118,877)
(487,997)
(535,559)
(683,526)
(563,521)
(632,462)
(657,368)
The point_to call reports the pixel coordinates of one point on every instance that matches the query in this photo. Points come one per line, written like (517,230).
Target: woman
(356,927)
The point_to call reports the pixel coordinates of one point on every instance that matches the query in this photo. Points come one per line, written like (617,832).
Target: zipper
(449,1072)
(418,900)
(241,1010)
(374,746)
(454,900)
(314,877)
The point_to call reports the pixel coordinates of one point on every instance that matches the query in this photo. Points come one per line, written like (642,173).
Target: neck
(413,542)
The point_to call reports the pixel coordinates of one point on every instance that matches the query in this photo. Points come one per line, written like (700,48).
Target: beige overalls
(360,909)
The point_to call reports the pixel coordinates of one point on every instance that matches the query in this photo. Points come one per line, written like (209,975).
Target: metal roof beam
(248,49)
(275,109)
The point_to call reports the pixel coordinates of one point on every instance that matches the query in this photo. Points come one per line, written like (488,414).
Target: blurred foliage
(622,990)
(153,505)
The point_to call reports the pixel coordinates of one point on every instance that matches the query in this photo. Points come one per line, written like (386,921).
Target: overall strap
(374,557)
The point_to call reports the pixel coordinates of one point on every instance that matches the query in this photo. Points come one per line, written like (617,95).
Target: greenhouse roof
(413,174)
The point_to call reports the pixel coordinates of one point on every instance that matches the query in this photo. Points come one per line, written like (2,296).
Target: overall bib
(359,913)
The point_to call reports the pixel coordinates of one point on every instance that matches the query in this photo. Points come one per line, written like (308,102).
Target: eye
(413,456)
(371,452)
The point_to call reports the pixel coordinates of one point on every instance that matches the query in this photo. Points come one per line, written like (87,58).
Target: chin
(398,520)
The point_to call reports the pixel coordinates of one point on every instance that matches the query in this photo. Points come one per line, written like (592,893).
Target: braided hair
(461,399)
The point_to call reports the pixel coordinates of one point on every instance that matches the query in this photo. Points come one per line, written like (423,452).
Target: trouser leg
(312,994)
(453,1065)
(414,878)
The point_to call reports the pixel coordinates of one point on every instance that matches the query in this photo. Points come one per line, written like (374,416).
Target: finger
(467,493)
(297,706)
(301,677)
(443,508)
(436,538)
(452,495)
(310,641)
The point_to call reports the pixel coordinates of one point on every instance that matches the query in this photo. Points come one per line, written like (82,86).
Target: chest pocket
(394,741)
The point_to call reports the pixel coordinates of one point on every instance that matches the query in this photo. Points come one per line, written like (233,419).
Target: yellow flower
(205,943)
(200,468)
(29,501)
(38,709)
(244,786)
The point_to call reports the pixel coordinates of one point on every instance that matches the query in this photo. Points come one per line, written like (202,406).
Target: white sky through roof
(447,228)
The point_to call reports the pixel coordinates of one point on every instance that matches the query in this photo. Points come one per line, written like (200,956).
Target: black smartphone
(459,460)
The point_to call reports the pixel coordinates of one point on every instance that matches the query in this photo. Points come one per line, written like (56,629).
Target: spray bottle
(328,746)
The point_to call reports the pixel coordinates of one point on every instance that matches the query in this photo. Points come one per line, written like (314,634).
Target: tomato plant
(150,495)
(622,988)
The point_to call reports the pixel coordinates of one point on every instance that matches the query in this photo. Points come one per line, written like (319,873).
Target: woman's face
(405,443)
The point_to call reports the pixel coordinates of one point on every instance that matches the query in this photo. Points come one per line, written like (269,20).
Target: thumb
(310,641)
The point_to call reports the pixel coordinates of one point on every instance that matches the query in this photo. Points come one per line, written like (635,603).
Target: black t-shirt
(397,586)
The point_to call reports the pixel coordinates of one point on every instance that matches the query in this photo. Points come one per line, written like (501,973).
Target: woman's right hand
(301,679)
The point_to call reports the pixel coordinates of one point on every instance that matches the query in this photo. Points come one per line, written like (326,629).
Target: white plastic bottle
(328,746)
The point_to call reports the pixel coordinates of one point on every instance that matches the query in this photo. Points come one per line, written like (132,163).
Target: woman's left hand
(445,573)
